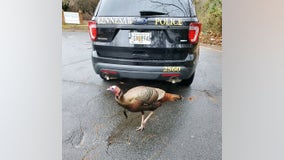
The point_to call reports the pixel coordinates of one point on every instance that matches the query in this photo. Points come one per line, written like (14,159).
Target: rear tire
(187,82)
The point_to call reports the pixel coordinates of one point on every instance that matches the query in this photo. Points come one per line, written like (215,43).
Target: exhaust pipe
(174,80)
(108,74)
(107,77)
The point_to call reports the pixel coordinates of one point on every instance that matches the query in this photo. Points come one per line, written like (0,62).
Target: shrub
(86,6)
(65,5)
(210,15)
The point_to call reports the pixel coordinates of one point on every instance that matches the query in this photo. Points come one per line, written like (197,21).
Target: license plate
(140,38)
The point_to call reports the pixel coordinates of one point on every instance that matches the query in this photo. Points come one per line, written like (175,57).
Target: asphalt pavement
(94,126)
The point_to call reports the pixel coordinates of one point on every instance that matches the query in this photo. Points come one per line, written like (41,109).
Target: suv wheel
(187,82)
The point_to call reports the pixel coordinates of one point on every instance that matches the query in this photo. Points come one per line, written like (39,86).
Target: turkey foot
(141,128)
(143,122)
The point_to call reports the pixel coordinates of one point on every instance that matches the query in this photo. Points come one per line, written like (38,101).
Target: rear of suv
(145,39)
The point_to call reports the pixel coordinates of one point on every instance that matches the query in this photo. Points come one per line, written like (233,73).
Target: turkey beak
(109,89)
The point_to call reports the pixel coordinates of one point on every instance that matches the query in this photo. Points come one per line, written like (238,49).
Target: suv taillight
(193,32)
(92,25)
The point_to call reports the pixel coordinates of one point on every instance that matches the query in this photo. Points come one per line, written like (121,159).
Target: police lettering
(168,21)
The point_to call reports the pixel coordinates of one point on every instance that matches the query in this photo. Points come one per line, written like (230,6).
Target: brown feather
(144,98)
(171,97)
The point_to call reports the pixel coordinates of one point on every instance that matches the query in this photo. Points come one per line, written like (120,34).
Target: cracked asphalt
(94,126)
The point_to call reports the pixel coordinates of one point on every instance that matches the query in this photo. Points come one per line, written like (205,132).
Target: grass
(74,27)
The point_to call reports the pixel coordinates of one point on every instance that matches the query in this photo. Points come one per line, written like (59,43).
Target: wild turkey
(142,98)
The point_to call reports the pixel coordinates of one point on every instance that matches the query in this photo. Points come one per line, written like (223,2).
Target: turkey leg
(143,122)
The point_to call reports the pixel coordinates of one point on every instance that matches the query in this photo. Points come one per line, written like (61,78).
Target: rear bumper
(140,72)
(148,69)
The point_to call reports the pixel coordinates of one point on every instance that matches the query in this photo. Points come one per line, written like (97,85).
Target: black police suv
(145,39)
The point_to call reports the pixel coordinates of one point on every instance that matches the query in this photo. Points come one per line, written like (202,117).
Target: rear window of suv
(173,8)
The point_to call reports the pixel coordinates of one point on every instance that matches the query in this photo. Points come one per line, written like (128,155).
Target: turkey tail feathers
(171,97)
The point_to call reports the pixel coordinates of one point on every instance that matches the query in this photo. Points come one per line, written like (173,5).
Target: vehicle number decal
(171,69)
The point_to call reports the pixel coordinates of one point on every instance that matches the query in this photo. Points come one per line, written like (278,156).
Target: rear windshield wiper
(152,13)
